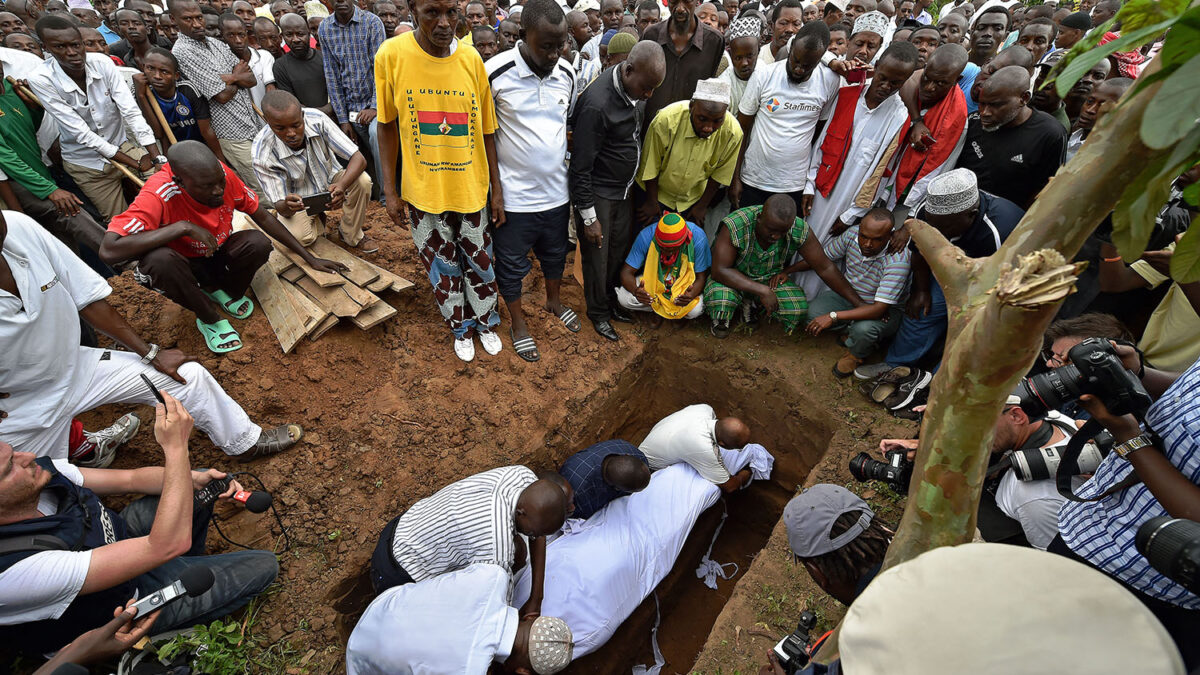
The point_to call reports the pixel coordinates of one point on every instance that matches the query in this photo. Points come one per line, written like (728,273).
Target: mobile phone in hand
(318,203)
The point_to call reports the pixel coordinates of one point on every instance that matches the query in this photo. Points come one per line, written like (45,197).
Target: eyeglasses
(1054,360)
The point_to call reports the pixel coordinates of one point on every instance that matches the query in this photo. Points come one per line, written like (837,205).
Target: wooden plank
(292,273)
(376,314)
(279,264)
(398,283)
(304,306)
(333,298)
(379,285)
(323,327)
(360,273)
(323,279)
(362,296)
(273,299)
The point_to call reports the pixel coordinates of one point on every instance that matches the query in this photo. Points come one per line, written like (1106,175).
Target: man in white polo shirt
(779,112)
(695,436)
(534,89)
(46,377)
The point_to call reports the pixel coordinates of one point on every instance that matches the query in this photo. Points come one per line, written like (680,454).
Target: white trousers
(115,380)
(631,303)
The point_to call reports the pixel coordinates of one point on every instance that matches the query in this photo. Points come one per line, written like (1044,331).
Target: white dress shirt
(687,436)
(454,623)
(91,123)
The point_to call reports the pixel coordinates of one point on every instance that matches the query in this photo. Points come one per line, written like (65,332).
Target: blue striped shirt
(308,171)
(883,278)
(1103,532)
(349,57)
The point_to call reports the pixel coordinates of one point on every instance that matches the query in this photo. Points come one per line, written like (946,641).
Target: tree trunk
(999,308)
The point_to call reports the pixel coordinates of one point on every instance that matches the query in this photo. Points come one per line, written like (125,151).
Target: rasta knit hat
(672,231)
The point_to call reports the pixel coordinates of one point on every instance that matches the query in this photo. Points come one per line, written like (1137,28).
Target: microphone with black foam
(255,501)
(194,581)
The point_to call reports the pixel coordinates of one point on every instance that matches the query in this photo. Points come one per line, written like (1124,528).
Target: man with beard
(779,113)
(1104,94)
(1012,148)
(988,33)
(692,49)
(865,119)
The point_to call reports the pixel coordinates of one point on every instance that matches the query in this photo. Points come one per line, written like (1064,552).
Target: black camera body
(896,471)
(793,650)
(1094,369)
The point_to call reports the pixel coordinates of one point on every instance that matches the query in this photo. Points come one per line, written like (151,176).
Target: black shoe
(619,313)
(605,329)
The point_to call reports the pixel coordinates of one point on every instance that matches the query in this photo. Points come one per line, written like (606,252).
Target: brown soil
(390,416)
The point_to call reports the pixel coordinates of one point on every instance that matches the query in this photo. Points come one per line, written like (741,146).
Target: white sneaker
(464,349)
(491,342)
(107,441)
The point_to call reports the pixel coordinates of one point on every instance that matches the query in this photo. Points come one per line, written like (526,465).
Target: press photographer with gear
(66,560)
(1154,470)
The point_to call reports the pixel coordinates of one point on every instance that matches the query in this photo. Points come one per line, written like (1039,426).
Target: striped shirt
(883,278)
(308,171)
(464,523)
(203,64)
(349,59)
(1103,532)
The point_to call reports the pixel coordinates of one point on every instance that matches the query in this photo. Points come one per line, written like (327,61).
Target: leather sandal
(274,441)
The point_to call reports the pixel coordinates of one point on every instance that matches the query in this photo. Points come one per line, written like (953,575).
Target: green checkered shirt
(753,260)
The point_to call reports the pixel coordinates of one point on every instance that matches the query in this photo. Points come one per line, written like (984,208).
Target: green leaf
(1185,264)
(1191,194)
(1137,14)
(1077,66)
(1183,42)
(1175,108)
(1135,212)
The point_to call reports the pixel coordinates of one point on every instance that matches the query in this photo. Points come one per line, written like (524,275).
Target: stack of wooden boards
(300,301)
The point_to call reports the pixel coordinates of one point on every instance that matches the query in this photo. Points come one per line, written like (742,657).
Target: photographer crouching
(66,560)
(1153,470)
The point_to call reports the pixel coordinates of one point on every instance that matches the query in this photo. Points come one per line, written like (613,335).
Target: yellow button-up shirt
(681,161)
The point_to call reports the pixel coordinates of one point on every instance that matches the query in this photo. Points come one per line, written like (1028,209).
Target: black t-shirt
(1015,162)
(303,78)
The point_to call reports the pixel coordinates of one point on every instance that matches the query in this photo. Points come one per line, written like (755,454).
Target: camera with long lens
(1172,546)
(896,471)
(1094,369)
(793,650)
(1039,463)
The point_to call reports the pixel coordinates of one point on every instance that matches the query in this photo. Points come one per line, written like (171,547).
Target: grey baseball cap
(809,518)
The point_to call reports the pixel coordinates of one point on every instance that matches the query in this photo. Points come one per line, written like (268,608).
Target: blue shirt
(110,35)
(1103,532)
(965,82)
(584,471)
(349,58)
(641,246)
(183,112)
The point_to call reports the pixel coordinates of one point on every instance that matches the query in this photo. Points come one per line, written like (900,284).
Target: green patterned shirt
(753,260)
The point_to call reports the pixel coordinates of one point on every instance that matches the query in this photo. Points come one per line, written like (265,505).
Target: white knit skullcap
(550,645)
(871,22)
(713,89)
(952,192)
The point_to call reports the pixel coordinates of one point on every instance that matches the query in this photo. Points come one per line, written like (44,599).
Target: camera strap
(1068,465)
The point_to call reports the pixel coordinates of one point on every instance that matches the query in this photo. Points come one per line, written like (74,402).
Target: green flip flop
(219,335)
(240,308)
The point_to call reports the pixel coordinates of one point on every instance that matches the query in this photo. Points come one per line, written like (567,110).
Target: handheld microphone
(194,581)
(255,502)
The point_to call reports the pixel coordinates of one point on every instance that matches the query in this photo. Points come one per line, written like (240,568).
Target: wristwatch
(160,160)
(1132,445)
(152,354)
(833,315)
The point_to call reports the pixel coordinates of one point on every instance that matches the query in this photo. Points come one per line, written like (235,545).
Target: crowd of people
(734,163)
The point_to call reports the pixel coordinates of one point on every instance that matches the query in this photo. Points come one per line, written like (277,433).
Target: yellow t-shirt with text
(443,107)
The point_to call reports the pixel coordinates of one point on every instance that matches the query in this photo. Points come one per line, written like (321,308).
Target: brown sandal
(274,441)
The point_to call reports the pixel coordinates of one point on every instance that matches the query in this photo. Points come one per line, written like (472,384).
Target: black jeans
(238,576)
(385,571)
(1183,624)
(544,232)
(602,264)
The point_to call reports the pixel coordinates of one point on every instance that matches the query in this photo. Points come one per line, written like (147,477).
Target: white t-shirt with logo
(786,116)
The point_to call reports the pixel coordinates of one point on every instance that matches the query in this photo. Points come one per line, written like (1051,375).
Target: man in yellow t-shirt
(436,121)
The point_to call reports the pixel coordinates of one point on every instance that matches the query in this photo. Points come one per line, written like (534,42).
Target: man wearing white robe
(601,569)
(878,116)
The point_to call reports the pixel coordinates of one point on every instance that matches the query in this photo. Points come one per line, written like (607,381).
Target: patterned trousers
(721,302)
(456,249)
